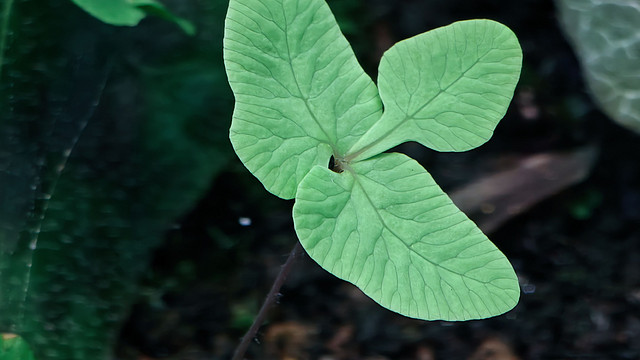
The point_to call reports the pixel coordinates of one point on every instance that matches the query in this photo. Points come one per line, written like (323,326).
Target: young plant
(375,219)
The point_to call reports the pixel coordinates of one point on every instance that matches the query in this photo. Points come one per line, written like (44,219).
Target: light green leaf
(378,221)
(446,89)
(606,38)
(300,93)
(385,226)
(130,12)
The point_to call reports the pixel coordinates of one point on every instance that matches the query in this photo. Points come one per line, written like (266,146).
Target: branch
(268,302)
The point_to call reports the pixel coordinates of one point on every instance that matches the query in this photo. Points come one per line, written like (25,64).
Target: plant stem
(268,301)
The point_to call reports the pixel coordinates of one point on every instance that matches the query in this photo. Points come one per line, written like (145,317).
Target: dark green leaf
(97,161)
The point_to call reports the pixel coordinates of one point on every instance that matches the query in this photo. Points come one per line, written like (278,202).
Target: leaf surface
(387,227)
(300,93)
(446,89)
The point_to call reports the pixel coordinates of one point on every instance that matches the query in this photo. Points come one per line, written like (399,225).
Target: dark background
(575,246)
(577,253)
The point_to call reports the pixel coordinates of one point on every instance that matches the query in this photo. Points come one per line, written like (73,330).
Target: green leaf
(606,38)
(130,12)
(446,89)
(13,347)
(385,226)
(300,93)
(116,12)
(378,221)
(96,163)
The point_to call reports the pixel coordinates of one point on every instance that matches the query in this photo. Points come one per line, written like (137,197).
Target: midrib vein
(408,117)
(384,224)
(304,98)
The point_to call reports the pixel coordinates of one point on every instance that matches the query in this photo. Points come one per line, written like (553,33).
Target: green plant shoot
(377,220)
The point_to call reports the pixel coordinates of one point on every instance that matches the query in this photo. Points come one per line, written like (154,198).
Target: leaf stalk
(271,298)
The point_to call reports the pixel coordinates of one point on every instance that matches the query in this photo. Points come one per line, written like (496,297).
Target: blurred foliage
(130,12)
(13,347)
(107,135)
(585,204)
(609,52)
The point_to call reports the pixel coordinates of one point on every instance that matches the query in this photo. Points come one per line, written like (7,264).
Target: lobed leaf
(300,93)
(387,227)
(446,89)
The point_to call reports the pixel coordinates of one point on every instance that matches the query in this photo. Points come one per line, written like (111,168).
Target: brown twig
(268,301)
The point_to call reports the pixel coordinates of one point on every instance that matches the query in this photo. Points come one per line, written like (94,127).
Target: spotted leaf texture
(377,220)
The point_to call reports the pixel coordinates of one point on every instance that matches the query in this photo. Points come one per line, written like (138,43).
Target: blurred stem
(268,301)
(4,31)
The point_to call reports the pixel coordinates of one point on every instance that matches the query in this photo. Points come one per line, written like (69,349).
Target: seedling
(375,219)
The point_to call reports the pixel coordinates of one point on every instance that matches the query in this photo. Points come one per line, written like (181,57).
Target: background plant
(608,52)
(93,122)
(130,12)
